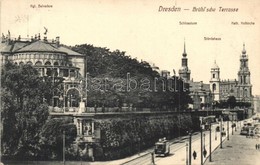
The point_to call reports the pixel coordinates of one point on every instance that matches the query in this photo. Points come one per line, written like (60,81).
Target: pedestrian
(194,154)
(152,154)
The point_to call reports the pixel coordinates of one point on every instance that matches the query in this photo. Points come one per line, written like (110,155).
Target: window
(38,63)
(214,75)
(29,63)
(214,87)
(47,63)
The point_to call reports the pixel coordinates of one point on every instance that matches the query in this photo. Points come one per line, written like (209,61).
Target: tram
(162,147)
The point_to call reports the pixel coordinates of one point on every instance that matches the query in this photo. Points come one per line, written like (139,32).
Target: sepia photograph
(133,82)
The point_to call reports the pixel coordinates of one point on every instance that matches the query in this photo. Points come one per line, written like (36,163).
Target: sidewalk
(239,150)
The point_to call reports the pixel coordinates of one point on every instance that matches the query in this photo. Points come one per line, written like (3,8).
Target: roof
(39,46)
(215,66)
(18,45)
(5,48)
(199,86)
(35,46)
(68,51)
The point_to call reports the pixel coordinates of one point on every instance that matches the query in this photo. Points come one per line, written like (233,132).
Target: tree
(231,101)
(23,110)
(103,63)
(51,137)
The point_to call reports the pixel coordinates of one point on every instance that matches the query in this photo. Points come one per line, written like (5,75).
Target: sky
(143,32)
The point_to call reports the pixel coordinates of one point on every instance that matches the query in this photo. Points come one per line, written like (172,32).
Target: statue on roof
(46,30)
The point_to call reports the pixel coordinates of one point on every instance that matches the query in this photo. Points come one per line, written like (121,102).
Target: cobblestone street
(239,150)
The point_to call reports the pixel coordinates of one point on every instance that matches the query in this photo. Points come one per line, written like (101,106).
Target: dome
(215,66)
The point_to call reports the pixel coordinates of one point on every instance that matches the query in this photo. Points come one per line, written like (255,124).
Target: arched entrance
(73,99)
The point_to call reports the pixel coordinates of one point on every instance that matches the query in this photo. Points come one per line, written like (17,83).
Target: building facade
(51,59)
(199,92)
(215,81)
(240,88)
(184,71)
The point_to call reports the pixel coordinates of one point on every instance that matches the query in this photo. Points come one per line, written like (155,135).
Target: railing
(61,110)
(106,109)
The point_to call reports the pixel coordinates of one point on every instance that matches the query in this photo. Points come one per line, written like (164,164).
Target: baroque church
(217,89)
(240,88)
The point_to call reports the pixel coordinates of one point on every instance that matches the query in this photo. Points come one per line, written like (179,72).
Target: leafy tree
(51,140)
(103,63)
(231,101)
(23,110)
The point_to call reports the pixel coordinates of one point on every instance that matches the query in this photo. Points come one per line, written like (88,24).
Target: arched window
(47,63)
(29,63)
(56,63)
(38,63)
(214,87)
(245,94)
(21,63)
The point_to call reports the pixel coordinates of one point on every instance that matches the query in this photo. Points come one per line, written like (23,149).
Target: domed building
(51,59)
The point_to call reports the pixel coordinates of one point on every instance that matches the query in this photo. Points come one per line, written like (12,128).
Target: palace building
(199,91)
(51,59)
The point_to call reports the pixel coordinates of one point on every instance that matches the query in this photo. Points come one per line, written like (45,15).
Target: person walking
(152,154)
(194,154)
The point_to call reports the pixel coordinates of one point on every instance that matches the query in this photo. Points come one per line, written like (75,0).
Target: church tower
(244,84)
(184,71)
(215,81)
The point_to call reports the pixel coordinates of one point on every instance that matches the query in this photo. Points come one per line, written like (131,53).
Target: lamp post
(190,136)
(232,125)
(139,145)
(201,146)
(228,129)
(216,135)
(187,154)
(204,141)
(210,142)
(221,131)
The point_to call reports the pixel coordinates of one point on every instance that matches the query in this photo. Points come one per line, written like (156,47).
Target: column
(58,70)
(80,127)
(92,127)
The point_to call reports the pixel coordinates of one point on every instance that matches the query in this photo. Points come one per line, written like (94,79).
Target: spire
(244,49)
(215,65)
(184,51)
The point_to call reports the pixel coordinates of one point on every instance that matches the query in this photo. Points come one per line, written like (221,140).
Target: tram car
(162,147)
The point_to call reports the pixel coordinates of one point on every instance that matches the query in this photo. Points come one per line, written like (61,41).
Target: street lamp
(216,135)
(204,135)
(210,142)
(232,125)
(201,145)
(221,131)
(187,154)
(228,129)
(190,136)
